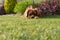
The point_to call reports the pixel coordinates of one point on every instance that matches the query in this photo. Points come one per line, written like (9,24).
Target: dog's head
(33,14)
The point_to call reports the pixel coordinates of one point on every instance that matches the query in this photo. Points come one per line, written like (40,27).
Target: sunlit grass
(17,28)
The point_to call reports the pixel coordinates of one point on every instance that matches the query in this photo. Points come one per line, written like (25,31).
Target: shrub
(9,5)
(49,7)
(59,2)
(21,6)
(2,11)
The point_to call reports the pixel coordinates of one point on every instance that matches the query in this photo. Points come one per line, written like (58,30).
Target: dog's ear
(26,13)
(27,10)
(38,12)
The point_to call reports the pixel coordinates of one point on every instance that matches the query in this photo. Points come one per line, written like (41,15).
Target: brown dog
(31,12)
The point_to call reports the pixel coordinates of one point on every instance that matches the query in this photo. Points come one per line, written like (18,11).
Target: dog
(31,12)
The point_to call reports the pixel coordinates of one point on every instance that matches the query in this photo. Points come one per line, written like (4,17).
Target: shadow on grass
(51,16)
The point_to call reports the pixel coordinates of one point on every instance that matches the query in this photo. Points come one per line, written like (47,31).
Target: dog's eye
(30,14)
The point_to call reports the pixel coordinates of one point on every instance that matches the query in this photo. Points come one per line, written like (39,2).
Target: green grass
(17,28)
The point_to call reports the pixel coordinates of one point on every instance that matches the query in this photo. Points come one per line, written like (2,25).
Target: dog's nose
(32,16)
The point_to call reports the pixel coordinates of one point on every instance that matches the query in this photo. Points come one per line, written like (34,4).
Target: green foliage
(9,5)
(21,6)
(59,2)
(16,28)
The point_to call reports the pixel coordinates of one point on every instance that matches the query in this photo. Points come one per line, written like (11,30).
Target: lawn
(17,28)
